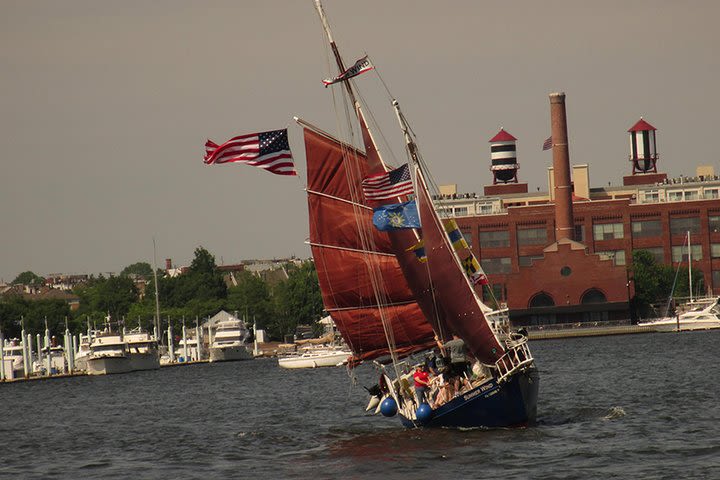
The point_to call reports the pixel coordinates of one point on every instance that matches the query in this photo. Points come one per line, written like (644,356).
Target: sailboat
(390,308)
(696,314)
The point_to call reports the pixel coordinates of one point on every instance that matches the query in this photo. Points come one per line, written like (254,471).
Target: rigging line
(338,199)
(365,231)
(348,249)
(367,240)
(365,307)
(323,260)
(352,178)
(352,182)
(377,128)
(677,271)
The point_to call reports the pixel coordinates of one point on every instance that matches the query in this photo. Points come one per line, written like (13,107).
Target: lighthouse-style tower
(643,155)
(643,149)
(504,166)
(503,154)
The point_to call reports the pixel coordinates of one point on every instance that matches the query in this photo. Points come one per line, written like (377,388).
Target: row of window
(679,254)
(601,231)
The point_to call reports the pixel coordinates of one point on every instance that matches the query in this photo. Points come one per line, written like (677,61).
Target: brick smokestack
(564,227)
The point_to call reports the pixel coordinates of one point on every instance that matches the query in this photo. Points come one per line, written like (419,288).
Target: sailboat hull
(490,405)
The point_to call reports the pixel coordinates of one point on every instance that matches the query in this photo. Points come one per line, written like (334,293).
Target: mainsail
(362,284)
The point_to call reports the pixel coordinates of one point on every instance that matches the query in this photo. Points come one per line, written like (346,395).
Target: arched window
(593,296)
(541,299)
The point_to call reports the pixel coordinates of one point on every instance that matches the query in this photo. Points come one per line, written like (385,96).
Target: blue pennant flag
(396,216)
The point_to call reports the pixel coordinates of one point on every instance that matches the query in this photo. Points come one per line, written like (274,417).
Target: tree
(138,269)
(34,313)
(103,296)
(655,282)
(297,300)
(251,297)
(28,278)
(203,262)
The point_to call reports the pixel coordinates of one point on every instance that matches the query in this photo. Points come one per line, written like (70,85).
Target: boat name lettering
(472,394)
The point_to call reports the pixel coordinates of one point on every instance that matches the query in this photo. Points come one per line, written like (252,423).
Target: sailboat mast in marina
(392,305)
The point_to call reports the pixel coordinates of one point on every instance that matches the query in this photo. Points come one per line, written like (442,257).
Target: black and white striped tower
(503,155)
(643,149)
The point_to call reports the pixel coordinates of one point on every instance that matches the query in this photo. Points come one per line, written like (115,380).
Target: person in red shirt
(422,383)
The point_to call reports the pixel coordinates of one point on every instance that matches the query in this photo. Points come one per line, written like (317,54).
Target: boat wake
(614,412)
(581,415)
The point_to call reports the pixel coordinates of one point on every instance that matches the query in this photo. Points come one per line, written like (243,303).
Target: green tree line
(278,308)
(196,294)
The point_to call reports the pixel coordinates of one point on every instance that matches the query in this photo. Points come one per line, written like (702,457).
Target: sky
(106,106)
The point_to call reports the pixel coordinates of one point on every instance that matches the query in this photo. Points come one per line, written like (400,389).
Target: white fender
(374,401)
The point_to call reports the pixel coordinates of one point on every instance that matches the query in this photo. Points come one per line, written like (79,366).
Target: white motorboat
(108,354)
(142,350)
(13,359)
(57,361)
(229,341)
(316,357)
(698,314)
(83,351)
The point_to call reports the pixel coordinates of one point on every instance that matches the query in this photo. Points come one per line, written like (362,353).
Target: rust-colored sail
(452,288)
(416,273)
(362,284)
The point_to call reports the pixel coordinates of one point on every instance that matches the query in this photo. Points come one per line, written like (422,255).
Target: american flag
(548,144)
(392,184)
(268,150)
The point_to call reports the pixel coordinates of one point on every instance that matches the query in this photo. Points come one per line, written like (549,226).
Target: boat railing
(514,359)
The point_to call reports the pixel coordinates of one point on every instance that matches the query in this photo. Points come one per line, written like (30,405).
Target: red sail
(362,285)
(452,287)
(416,273)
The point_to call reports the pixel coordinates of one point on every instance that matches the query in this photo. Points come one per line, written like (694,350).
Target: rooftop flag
(548,144)
(387,185)
(268,150)
(361,66)
(396,216)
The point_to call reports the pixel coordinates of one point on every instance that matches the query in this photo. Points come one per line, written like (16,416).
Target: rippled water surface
(632,406)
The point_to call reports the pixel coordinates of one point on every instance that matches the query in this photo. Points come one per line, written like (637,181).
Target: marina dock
(574,331)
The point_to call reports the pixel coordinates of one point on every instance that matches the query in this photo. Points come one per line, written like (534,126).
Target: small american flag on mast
(548,144)
(392,184)
(268,150)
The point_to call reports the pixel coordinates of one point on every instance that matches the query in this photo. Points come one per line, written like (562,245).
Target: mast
(690,266)
(458,299)
(157,298)
(333,46)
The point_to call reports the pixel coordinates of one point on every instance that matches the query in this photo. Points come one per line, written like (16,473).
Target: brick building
(562,255)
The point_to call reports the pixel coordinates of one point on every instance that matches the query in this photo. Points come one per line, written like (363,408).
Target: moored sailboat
(388,305)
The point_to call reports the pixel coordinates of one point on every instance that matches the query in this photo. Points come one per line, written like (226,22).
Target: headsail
(362,284)
(415,272)
(452,286)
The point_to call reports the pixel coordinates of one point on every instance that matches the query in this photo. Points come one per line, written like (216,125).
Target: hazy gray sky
(106,106)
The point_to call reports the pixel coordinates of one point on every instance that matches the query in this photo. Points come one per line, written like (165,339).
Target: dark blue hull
(491,405)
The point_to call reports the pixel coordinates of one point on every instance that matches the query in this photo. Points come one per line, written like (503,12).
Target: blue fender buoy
(424,413)
(388,407)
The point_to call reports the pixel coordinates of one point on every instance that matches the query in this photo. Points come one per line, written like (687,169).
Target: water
(630,406)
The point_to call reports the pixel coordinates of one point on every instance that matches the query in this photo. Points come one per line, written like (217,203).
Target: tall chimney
(564,227)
